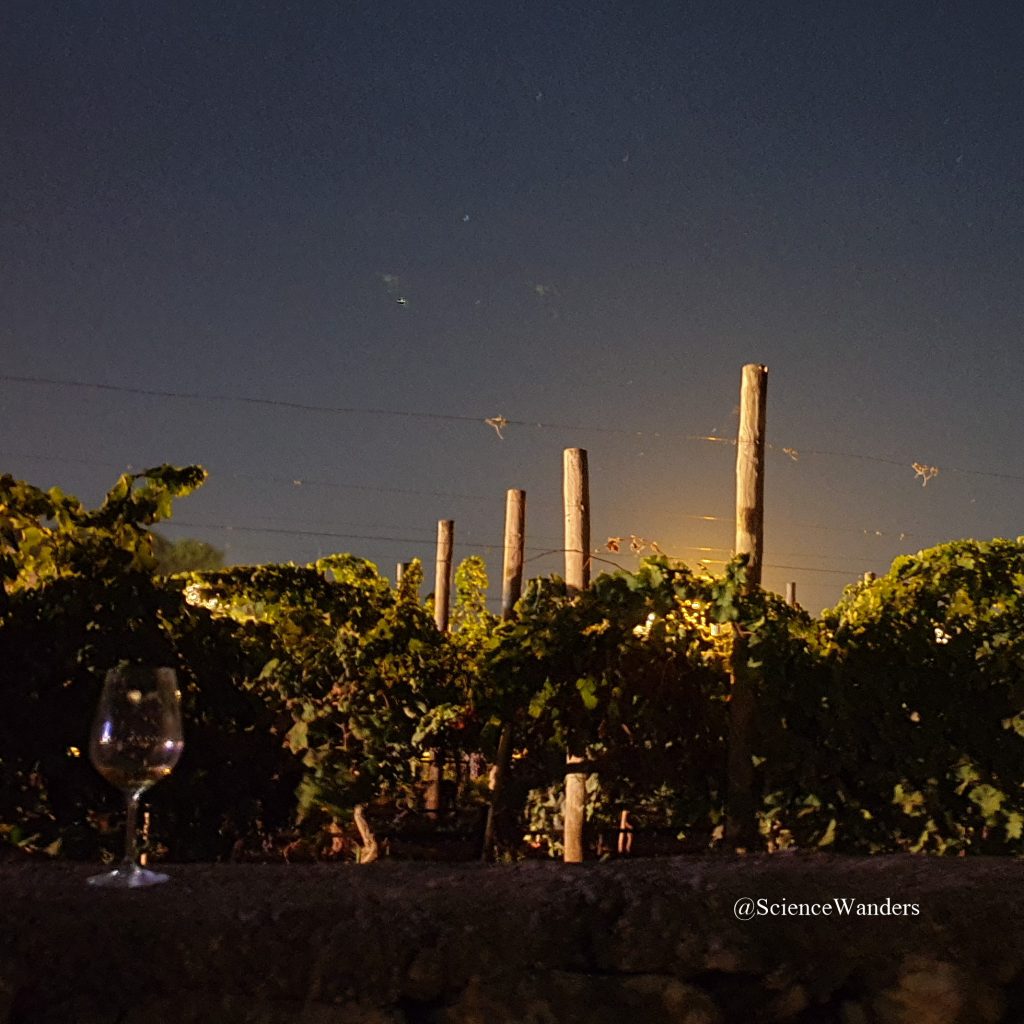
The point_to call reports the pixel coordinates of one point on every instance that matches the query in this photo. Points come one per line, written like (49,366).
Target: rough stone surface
(642,942)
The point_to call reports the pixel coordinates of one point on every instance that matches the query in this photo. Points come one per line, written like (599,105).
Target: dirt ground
(920,940)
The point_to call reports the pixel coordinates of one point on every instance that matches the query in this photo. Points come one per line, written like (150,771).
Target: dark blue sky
(594,213)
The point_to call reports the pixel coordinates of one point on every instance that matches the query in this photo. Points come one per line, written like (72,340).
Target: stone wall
(642,942)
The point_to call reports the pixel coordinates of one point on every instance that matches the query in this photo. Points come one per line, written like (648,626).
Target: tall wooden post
(443,573)
(442,605)
(576,500)
(750,469)
(741,800)
(511,590)
(515,541)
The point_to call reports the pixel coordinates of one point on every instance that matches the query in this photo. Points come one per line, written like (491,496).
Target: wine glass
(136,741)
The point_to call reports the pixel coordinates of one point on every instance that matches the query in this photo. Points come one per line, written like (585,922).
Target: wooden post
(511,590)
(791,593)
(442,605)
(515,534)
(400,570)
(741,802)
(576,500)
(750,469)
(443,573)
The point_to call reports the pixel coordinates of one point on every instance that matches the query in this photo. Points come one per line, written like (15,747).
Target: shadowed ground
(640,942)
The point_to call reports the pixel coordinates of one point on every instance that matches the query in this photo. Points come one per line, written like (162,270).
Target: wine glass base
(128,878)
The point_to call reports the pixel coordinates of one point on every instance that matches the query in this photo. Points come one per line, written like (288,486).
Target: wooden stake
(791,594)
(515,532)
(442,605)
(741,800)
(443,573)
(511,591)
(499,776)
(750,469)
(576,499)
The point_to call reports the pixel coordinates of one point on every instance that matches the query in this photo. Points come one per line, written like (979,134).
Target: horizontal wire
(309,528)
(791,568)
(594,556)
(498,423)
(323,534)
(896,462)
(370,488)
(240,399)
(841,455)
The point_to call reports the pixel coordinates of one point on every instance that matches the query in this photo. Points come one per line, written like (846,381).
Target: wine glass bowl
(136,741)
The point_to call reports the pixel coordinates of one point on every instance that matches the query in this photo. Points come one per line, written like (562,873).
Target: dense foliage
(360,672)
(925,703)
(81,595)
(896,721)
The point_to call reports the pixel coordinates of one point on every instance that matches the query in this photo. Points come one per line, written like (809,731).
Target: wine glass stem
(131,818)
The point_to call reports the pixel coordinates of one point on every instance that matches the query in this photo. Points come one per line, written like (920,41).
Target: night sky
(582,217)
